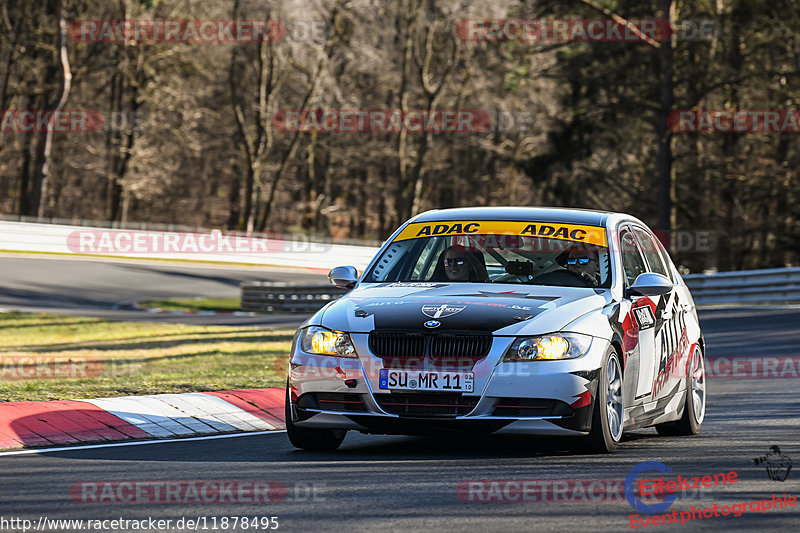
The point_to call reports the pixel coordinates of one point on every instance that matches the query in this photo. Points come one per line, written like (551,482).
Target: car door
(670,332)
(639,343)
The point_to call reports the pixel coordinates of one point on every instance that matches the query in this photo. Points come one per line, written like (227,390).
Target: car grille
(427,405)
(415,344)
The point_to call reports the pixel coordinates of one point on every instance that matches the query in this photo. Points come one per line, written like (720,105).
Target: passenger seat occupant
(459,264)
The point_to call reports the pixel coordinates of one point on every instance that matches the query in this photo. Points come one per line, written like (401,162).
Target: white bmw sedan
(522,320)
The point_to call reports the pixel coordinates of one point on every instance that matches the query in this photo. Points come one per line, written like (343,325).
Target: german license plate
(425,380)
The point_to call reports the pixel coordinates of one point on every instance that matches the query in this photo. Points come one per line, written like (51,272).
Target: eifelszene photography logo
(778,465)
(630,488)
(657,495)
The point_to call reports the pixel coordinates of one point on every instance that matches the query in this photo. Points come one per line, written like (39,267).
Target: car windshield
(523,253)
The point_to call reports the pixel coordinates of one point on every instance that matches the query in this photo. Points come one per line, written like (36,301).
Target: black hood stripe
(452,314)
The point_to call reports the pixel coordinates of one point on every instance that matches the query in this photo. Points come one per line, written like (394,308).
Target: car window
(530,253)
(632,261)
(652,251)
(668,263)
(426,263)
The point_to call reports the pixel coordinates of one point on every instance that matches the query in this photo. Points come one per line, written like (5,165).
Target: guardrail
(161,227)
(777,285)
(275,250)
(265,296)
(774,285)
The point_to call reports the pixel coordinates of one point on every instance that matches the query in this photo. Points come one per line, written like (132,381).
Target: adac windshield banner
(568,232)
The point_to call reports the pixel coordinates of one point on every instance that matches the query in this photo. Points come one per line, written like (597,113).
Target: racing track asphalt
(107,288)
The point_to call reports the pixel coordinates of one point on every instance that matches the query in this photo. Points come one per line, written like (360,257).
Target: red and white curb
(30,424)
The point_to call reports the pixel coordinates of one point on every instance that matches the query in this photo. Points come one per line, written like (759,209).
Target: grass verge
(226,305)
(53,357)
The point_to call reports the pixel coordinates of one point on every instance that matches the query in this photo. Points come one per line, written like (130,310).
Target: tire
(609,409)
(308,438)
(694,409)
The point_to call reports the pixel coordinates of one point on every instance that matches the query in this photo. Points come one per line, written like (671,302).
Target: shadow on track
(275,448)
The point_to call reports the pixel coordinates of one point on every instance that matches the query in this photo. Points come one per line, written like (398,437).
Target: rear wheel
(308,438)
(608,407)
(694,410)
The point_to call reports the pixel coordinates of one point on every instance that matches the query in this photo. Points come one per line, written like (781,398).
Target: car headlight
(549,347)
(323,341)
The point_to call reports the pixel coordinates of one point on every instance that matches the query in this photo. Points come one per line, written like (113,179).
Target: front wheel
(694,410)
(311,438)
(608,407)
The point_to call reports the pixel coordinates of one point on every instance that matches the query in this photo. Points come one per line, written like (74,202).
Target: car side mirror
(343,277)
(650,284)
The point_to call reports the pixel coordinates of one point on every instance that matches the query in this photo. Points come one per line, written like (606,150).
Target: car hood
(442,307)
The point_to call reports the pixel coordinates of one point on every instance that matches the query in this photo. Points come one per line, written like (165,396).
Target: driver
(583,260)
(461,264)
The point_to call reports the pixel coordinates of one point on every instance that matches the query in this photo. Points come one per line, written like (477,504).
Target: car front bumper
(537,397)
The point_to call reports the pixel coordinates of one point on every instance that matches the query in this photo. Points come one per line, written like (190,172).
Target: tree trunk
(234,211)
(403,200)
(66,84)
(664,134)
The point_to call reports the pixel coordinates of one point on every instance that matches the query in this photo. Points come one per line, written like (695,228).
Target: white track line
(138,443)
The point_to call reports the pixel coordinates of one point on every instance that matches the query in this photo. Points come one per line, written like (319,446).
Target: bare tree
(44,174)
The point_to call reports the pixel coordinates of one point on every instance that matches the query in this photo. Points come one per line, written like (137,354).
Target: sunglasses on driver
(453,261)
(579,260)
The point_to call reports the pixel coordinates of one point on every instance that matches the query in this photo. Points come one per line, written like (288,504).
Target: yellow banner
(568,232)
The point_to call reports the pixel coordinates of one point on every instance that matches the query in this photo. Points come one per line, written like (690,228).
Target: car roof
(539,214)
